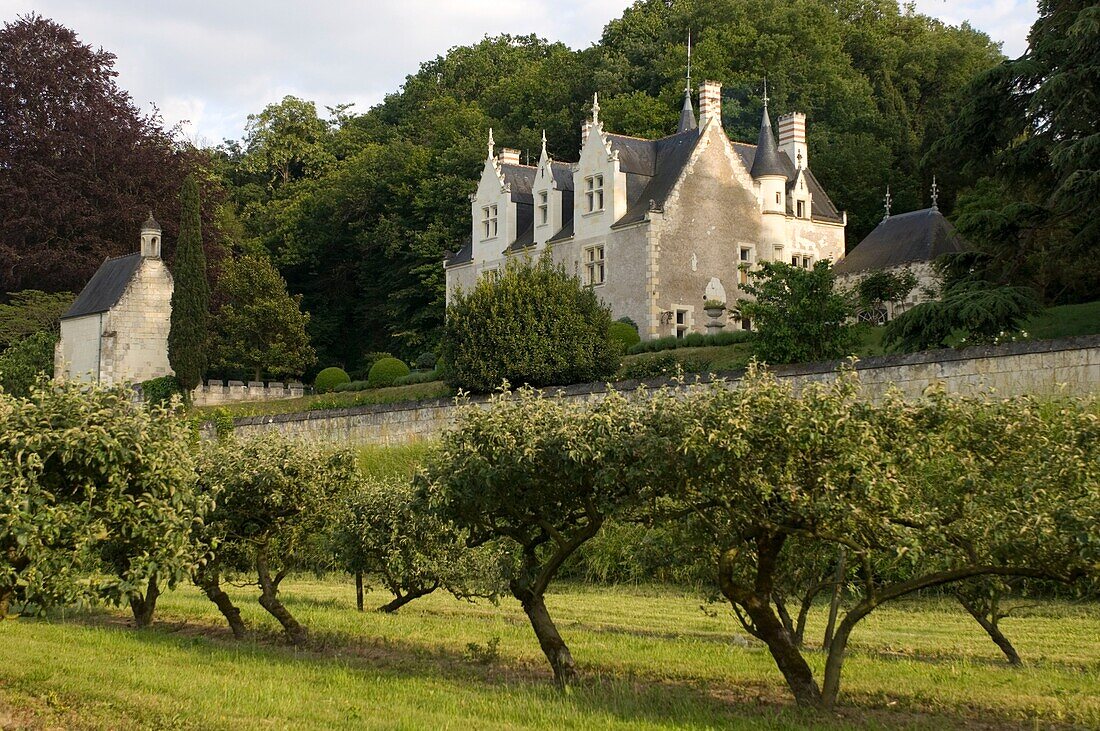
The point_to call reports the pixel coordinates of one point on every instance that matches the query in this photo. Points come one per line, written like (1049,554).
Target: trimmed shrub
(351,386)
(629,321)
(423,377)
(694,340)
(328,379)
(369,359)
(624,334)
(534,324)
(643,368)
(386,371)
(160,391)
(426,361)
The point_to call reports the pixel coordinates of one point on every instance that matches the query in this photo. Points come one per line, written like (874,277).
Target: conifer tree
(188,339)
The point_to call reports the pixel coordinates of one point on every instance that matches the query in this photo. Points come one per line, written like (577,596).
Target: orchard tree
(534,324)
(381,531)
(260,326)
(274,497)
(541,475)
(80,165)
(878,288)
(799,314)
(952,489)
(189,338)
(92,479)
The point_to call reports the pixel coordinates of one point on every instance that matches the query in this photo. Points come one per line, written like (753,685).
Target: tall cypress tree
(188,339)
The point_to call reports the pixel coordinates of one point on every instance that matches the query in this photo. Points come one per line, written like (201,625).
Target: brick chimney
(508,156)
(792,137)
(710,103)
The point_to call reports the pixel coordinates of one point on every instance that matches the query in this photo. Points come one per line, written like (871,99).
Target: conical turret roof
(687,115)
(767,161)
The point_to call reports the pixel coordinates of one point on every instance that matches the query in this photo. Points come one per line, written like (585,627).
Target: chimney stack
(508,156)
(792,138)
(710,103)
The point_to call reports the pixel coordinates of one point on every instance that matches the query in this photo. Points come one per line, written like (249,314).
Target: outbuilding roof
(105,288)
(908,238)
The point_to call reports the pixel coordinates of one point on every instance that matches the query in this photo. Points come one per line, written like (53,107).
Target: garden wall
(1070,365)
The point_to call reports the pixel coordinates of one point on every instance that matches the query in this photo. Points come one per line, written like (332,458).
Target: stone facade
(1070,365)
(117,329)
(655,226)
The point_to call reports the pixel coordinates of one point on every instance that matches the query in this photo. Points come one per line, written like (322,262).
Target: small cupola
(150,238)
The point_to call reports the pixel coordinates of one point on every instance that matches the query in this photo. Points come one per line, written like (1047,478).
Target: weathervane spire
(887,200)
(765,92)
(687,86)
(935,195)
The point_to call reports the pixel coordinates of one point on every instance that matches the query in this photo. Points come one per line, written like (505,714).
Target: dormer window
(593,191)
(544,208)
(488,222)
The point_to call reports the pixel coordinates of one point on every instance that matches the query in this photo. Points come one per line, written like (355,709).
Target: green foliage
(541,475)
(693,340)
(663,365)
(331,379)
(25,361)
(426,361)
(424,377)
(260,326)
(880,287)
(88,474)
(189,337)
(969,312)
(274,498)
(534,324)
(628,553)
(1027,131)
(380,531)
(625,335)
(946,489)
(29,312)
(798,314)
(159,391)
(386,371)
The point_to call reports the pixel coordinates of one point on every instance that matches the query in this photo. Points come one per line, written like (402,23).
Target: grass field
(650,657)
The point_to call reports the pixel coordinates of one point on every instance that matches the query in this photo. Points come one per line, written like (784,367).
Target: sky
(209,64)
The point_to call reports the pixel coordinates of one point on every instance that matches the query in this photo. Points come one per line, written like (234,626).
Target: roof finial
(687,86)
(887,200)
(935,194)
(492,144)
(544,142)
(595,107)
(765,92)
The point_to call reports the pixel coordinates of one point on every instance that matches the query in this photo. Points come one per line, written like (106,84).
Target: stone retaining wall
(216,393)
(1070,365)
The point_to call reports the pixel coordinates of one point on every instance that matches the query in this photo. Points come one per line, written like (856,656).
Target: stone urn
(714,311)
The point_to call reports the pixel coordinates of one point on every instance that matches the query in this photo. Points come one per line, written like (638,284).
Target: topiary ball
(386,371)
(624,334)
(426,361)
(329,379)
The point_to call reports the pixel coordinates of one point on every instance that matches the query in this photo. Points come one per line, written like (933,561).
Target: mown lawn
(651,657)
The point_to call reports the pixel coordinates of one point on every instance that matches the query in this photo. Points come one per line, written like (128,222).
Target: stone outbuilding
(117,329)
(908,241)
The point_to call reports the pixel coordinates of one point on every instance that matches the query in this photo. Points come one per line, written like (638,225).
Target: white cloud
(214,62)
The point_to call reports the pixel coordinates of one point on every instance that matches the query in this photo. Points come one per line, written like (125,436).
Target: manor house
(657,227)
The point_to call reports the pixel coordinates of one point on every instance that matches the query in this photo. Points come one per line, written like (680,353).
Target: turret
(150,238)
(768,170)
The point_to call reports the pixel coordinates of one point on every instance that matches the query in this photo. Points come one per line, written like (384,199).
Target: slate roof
(687,115)
(767,160)
(525,212)
(665,159)
(464,255)
(907,238)
(106,286)
(821,208)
